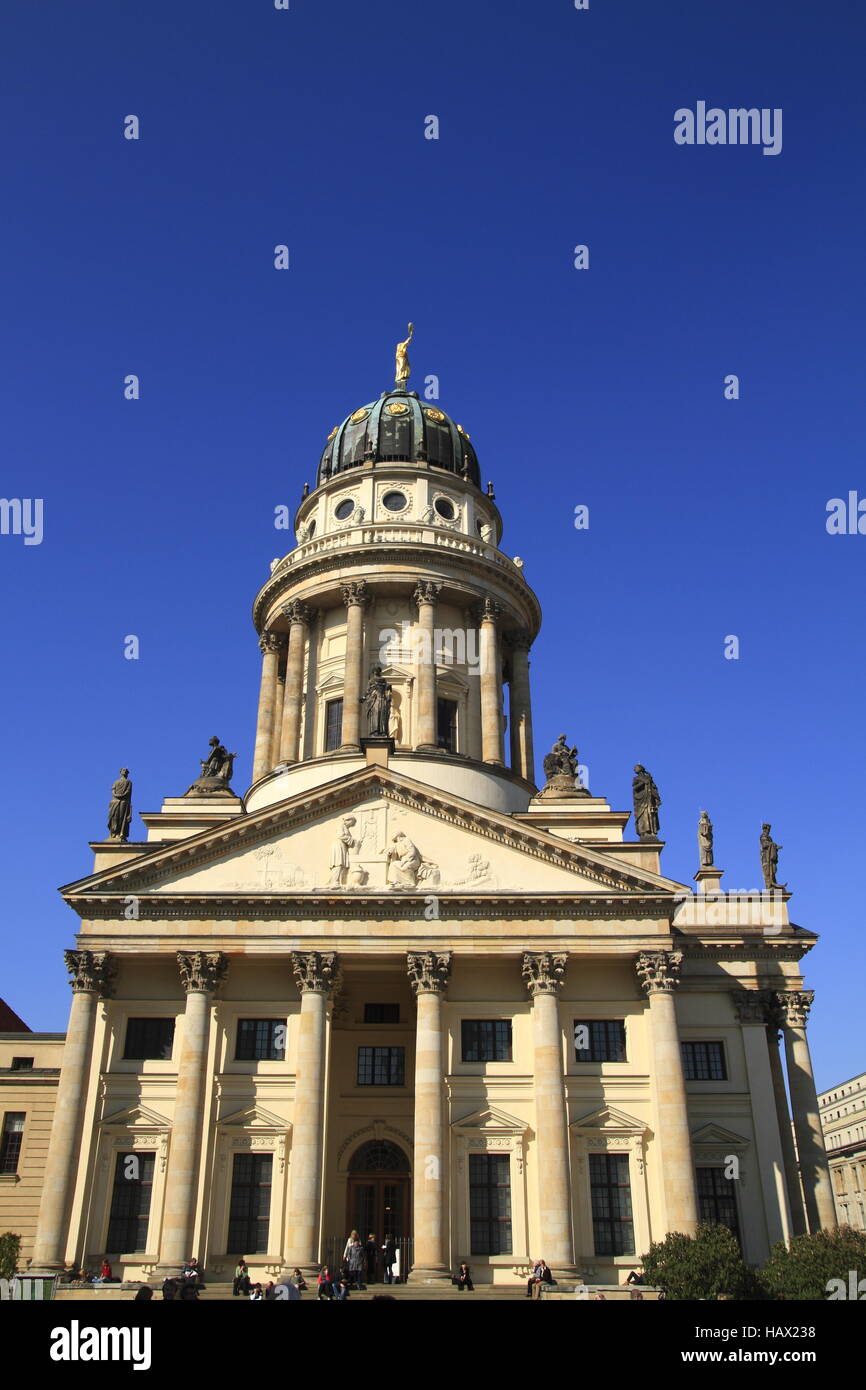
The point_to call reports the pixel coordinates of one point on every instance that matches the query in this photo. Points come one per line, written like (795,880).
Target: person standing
(372,1252)
(355,1262)
(389,1252)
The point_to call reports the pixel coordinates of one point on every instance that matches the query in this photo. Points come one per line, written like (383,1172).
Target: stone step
(429,1292)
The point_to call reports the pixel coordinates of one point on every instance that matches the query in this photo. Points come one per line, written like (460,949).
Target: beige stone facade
(396,985)
(29,1073)
(843,1121)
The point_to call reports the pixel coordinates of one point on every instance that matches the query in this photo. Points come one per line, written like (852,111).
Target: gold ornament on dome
(396,408)
(333,432)
(465,433)
(358,415)
(432,413)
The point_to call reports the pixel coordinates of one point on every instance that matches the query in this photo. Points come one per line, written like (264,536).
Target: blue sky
(602,387)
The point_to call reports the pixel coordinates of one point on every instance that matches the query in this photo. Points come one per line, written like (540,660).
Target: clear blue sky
(603,387)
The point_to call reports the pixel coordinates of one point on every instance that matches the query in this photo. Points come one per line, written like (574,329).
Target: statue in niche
(377,702)
(646,804)
(120,807)
(339,861)
(770,859)
(216,772)
(705,840)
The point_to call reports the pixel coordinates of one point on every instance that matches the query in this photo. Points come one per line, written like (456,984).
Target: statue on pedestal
(216,772)
(377,702)
(401,360)
(560,769)
(705,840)
(770,859)
(646,804)
(120,807)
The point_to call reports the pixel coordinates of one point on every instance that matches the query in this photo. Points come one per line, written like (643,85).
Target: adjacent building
(843,1120)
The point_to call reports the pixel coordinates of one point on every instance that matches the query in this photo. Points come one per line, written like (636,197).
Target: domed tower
(397,566)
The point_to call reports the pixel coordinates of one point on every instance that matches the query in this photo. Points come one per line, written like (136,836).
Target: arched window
(378,1156)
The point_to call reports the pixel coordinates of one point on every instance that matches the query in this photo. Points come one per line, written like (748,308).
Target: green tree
(804,1269)
(705,1265)
(10,1247)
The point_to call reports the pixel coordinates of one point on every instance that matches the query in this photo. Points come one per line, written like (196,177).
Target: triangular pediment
(490,1117)
(610,1119)
(137,1117)
(716,1136)
(254,1117)
(375,831)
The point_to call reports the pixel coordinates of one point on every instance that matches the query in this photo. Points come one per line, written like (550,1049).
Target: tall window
(149,1039)
(490,1204)
(250,1210)
(599,1040)
(381,1066)
(130,1203)
(610,1192)
(261,1040)
(333,725)
(716,1200)
(704,1061)
(486,1039)
(446,725)
(10,1144)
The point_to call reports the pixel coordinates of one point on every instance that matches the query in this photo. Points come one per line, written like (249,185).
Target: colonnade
(761,1013)
(281,692)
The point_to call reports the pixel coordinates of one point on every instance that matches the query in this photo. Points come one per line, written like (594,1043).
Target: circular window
(344,509)
(444,508)
(394,501)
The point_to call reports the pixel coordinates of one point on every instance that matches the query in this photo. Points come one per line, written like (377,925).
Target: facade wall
(31,1093)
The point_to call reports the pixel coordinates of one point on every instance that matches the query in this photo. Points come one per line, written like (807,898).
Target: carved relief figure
(404,861)
(339,862)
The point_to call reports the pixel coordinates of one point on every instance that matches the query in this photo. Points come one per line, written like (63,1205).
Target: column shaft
(298,615)
(491,684)
(315,974)
(554,1179)
(356,598)
(658,972)
(522,754)
(426,594)
(278,720)
(786,1136)
(270,645)
(750,1009)
(428,975)
(50,1247)
(814,1168)
(186,1134)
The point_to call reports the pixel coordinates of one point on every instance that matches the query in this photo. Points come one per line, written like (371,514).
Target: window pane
(704,1061)
(130,1203)
(261,1040)
(10,1145)
(381,1066)
(716,1200)
(333,725)
(610,1197)
(381,1013)
(490,1204)
(250,1210)
(603,1039)
(149,1039)
(486,1039)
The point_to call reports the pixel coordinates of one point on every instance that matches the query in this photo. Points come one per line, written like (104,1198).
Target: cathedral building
(397,986)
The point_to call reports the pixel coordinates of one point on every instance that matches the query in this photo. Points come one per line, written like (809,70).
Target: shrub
(704,1265)
(803,1270)
(10,1246)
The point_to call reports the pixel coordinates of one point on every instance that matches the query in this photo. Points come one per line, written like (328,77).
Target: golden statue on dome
(402,360)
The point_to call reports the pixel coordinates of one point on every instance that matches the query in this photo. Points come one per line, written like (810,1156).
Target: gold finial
(402,360)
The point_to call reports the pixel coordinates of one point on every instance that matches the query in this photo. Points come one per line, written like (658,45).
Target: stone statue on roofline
(216,771)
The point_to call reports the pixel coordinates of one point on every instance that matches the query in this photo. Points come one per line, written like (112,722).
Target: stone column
(750,1006)
(658,973)
(491,683)
(201,973)
(544,974)
(772,1019)
(522,755)
(270,643)
(794,1006)
(356,597)
(92,974)
(298,615)
(425,596)
(428,976)
(315,974)
(278,719)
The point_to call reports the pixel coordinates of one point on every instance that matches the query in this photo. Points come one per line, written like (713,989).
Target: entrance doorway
(379,1186)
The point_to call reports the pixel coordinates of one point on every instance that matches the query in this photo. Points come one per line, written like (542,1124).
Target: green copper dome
(399,428)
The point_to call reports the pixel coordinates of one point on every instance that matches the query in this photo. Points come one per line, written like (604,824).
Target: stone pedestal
(709,880)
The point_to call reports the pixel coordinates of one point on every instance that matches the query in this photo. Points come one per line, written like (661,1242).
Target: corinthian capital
(487,611)
(271,642)
(426,591)
(658,972)
(91,971)
(296,611)
(544,971)
(201,972)
(518,639)
(315,971)
(428,971)
(793,1006)
(356,592)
